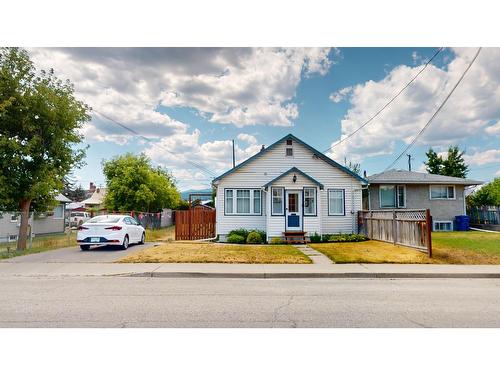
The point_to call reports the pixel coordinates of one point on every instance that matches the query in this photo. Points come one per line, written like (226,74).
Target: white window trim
(343,203)
(441,222)
(396,200)
(282,201)
(443,199)
(315,205)
(251,213)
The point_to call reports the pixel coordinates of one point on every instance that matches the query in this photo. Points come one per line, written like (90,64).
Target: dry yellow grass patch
(195,252)
(163,234)
(370,252)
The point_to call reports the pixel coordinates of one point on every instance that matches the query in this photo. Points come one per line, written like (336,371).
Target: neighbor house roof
(97,197)
(406,177)
(61,198)
(319,154)
(297,171)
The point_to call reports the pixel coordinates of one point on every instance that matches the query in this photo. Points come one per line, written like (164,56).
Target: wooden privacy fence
(402,227)
(194,224)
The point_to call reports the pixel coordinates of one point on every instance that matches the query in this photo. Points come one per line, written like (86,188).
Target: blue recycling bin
(462,222)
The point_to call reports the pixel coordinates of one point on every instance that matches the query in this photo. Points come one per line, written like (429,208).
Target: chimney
(92,187)
(263,147)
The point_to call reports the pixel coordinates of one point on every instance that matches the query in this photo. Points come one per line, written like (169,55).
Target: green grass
(163,234)
(198,252)
(40,243)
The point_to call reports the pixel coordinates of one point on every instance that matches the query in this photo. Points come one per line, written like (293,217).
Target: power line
(199,166)
(388,103)
(437,111)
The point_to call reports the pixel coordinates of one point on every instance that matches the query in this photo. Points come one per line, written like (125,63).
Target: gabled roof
(61,198)
(406,177)
(295,170)
(96,198)
(319,154)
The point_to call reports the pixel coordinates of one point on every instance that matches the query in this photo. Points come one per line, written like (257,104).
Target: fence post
(394,227)
(429,231)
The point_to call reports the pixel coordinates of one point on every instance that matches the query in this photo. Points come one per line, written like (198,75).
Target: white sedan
(120,230)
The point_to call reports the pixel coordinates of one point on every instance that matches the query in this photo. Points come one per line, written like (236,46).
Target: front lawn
(370,252)
(197,252)
(448,248)
(162,234)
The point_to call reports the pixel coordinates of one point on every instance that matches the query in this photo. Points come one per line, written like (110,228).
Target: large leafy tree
(134,184)
(40,121)
(488,195)
(453,165)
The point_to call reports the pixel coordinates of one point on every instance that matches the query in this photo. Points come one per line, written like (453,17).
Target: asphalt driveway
(99,254)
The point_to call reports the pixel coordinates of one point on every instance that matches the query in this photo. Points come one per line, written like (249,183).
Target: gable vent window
(289,149)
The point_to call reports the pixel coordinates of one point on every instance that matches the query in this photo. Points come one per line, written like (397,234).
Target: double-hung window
(243,201)
(392,196)
(336,204)
(277,201)
(442,192)
(309,201)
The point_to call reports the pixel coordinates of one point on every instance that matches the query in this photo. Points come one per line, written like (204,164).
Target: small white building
(288,186)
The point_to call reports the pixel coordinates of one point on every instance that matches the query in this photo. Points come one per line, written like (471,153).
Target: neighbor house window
(289,151)
(392,196)
(443,226)
(277,201)
(335,202)
(13,217)
(309,201)
(243,201)
(59,212)
(442,192)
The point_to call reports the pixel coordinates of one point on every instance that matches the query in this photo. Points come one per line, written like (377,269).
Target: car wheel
(84,247)
(143,238)
(125,242)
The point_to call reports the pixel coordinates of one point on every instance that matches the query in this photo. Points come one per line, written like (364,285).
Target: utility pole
(234,161)
(409,162)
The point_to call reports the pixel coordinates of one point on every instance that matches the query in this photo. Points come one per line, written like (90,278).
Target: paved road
(98,254)
(153,302)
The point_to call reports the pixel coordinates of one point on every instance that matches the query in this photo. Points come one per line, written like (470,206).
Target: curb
(314,275)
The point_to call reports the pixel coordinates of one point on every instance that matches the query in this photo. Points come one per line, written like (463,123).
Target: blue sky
(194,101)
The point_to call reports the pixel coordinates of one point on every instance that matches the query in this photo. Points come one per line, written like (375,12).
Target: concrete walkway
(315,256)
(216,270)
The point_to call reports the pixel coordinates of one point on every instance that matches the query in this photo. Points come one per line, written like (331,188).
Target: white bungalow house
(288,187)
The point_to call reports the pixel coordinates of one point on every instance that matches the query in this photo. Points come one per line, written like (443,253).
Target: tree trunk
(23,229)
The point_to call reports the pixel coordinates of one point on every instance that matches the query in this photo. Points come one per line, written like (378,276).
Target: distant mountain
(185,194)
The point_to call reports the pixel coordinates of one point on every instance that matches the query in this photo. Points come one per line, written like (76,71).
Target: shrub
(254,237)
(240,232)
(235,238)
(262,233)
(314,238)
(277,241)
(346,237)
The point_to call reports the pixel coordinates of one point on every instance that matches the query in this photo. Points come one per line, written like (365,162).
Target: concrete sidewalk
(262,271)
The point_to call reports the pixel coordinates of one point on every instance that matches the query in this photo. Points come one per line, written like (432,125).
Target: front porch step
(295,237)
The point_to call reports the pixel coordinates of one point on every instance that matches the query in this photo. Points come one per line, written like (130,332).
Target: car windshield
(105,219)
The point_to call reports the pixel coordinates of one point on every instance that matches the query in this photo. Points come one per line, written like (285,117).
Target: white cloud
(474,105)
(248,138)
(341,94)
(256,91)
(493,129)
(483,157)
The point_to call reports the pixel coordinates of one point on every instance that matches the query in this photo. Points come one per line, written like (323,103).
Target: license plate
(95,239)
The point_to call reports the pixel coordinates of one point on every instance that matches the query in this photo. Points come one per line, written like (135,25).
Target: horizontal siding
(274,163)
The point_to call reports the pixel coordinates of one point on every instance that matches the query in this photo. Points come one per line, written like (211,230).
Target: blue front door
(293,210)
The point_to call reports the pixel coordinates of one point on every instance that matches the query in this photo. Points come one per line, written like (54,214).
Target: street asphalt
(202,302)
(97,254)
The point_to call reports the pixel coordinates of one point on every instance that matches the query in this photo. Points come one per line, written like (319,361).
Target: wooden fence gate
(194,224)
(402,227)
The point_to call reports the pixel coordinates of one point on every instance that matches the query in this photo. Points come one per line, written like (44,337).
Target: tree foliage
(488,195)
(133,184)
(453,165)
(40,121)
(73,191)
(355,167)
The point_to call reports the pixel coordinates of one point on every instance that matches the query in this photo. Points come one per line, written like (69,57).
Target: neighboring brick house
(398,189)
